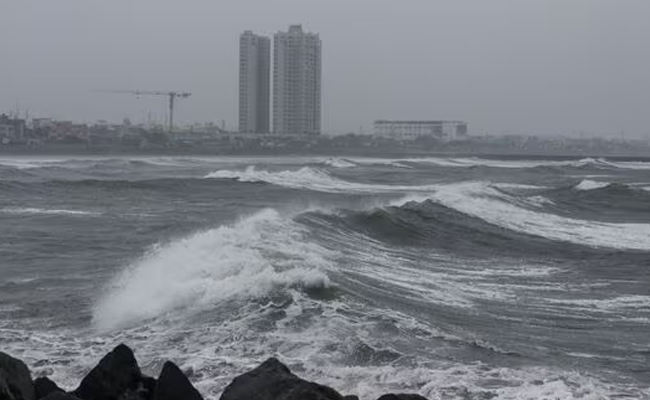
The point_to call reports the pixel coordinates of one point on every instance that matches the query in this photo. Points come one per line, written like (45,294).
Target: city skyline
(540,68)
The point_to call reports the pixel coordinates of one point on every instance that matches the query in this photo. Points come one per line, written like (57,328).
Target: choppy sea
(457,278)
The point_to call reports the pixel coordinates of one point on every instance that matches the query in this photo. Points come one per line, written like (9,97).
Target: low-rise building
(12,129)
(444,131)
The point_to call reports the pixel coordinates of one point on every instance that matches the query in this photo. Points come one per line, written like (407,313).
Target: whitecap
(311,179)
(481,200)
(45,211)
(339,163)
(587,184)
(247,259)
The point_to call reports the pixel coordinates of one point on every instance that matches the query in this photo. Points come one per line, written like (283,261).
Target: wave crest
(587,184)
(248,259)
(44,211)
(483,201)
(339,163)
(312,179)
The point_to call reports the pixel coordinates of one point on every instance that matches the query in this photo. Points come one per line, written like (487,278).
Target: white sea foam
(410,198)
(25,163)
(312,338)
(518,186)
(494,163)
(617,304)
(481,200)
(639,165)
(587,184)
(464,162)
(339,163)
(38,162)
(593,162)
(247,259)
(312,179)
(305,177)
(397,163)
(20,281)
(44,211)
(539,201)
(475,162)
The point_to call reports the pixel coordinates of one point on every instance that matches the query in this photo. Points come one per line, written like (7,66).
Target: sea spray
(246,259)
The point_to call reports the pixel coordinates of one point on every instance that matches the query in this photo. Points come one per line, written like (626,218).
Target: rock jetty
(117,376)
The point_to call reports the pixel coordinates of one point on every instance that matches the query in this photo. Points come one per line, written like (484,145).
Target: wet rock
(174,385)
(144,390)
(5,393)
(117,376)
(272,380)
(15,379)
(402,396)
(60,395)
(43,386)
(147,387)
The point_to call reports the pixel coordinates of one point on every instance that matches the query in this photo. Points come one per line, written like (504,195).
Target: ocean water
(457,278)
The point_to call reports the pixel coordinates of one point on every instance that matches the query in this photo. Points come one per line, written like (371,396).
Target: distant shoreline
(80,151)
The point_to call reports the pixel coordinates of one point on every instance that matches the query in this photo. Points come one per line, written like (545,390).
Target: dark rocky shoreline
(117,376)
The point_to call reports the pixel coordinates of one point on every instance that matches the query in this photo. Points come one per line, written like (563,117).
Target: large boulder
(174,385)
(272,380)
(15,379)
(43,386)
(402,396)
(117,376)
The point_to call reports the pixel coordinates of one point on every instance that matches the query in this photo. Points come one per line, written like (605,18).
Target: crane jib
(171,95)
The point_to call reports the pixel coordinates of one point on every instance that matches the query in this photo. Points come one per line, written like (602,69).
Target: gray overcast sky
(543,67)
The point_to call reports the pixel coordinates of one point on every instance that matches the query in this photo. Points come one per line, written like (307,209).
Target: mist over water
(460,278)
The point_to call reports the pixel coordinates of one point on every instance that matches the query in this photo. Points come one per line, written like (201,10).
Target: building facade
(296,82)
(254,82)
(12,129)
(444,131)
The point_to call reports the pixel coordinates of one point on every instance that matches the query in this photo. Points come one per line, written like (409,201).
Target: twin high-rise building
(296,83)
(254,82)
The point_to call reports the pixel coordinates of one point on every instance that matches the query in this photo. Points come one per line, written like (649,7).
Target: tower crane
(172,97)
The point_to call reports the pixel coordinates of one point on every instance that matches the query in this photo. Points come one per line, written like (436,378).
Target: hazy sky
(519,66)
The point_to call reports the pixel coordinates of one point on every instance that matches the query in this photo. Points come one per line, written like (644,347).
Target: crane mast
(171,95)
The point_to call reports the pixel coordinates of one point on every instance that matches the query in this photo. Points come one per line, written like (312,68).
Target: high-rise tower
(254,82)
(296,82)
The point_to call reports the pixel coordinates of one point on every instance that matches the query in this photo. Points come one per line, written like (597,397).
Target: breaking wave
(310,179)
(584,163)
(483,201)
(249,258)
(587,184)
(339,163)
(600,163)
(381,161)
(611,188)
